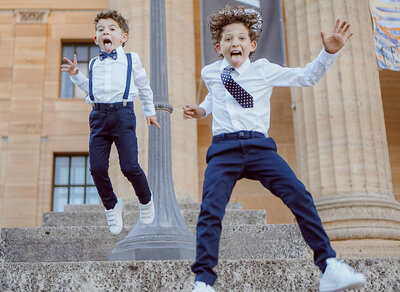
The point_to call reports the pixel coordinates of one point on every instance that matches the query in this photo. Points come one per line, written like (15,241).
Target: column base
(360,216)
(158,250)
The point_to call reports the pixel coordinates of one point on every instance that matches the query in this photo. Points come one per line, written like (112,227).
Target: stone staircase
(69,253)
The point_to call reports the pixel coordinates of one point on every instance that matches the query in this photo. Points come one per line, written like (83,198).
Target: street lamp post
(167,237)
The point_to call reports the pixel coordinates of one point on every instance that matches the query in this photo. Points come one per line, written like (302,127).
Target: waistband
(237,135)
(111,106)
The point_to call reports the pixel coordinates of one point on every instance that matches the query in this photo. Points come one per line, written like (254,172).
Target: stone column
(181,89)
(342,151)
(167,237)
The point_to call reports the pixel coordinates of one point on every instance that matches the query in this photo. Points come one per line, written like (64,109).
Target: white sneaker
(202,287)
(114,217)
(147,212)
(339,276)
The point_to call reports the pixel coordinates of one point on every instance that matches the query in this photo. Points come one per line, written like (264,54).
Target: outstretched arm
(338,38)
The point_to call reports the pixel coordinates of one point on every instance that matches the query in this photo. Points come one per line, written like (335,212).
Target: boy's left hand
(336,41)
(152,120)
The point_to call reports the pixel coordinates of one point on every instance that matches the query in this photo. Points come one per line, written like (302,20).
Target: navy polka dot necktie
(241,95)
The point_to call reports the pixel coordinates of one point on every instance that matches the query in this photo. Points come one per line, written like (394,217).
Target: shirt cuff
(149,111)
(78,78)
(206,109)
(326,57)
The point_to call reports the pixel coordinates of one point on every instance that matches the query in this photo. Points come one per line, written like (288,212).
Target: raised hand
(338,38)
(71,67)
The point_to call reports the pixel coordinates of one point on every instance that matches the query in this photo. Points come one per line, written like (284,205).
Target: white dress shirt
(109,79)
(258,78)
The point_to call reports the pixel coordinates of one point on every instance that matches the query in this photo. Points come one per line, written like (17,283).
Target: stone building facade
(341,137)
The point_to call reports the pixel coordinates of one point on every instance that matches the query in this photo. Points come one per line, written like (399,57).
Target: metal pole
(168,237)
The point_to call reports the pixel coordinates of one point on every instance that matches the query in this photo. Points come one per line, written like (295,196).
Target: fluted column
(342,152)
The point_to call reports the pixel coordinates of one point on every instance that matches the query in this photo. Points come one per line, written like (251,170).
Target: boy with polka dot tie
(239,99)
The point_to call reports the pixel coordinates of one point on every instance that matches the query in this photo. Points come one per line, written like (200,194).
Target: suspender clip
(124,102)
(93,104)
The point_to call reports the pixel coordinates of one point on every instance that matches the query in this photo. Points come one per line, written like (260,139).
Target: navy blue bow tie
(104,55)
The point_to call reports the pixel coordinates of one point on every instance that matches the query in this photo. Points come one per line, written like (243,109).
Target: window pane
(89,178)
(91,196)
(66,86)
(76,195)
(60,198)
(94,51)
(82,53)
(68,51)
(77,170)
(83,68)
(61,171)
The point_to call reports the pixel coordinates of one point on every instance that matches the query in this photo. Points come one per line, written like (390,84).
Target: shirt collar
(239,70)
(120,51)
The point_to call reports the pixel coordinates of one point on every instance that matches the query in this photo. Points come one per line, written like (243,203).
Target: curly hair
(250,18)
(115,15)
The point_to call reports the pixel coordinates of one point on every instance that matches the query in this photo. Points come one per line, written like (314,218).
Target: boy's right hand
(71,67)
(192,111)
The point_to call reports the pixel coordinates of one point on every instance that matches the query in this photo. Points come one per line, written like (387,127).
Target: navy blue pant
(115,123)
(250,155)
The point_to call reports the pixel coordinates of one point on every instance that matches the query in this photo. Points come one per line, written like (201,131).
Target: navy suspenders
(128,79)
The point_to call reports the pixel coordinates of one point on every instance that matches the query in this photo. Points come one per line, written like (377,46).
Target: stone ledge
(232,217)
(234,275)
(54,244)
(133,205)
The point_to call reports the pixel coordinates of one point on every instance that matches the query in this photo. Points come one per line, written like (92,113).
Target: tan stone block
(7,46)
(6,20)
(78,32)
(51,4)
(68,117)
(22,168)
(29,51)
(6,74)
(20,211)
(20,191)
(28,81)
(29,30)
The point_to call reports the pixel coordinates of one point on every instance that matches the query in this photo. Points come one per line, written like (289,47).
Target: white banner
(386,18)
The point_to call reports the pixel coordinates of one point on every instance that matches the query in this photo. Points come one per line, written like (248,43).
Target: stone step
(232,217)
(74,244)
(154,276)
(133,205)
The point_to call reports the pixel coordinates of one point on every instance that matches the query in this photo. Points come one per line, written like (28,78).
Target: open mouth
(236,56)
(107,45)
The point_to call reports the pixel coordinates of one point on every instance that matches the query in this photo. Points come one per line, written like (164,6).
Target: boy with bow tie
(115,79)
(239,99)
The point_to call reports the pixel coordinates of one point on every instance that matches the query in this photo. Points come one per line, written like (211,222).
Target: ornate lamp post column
(168,237)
